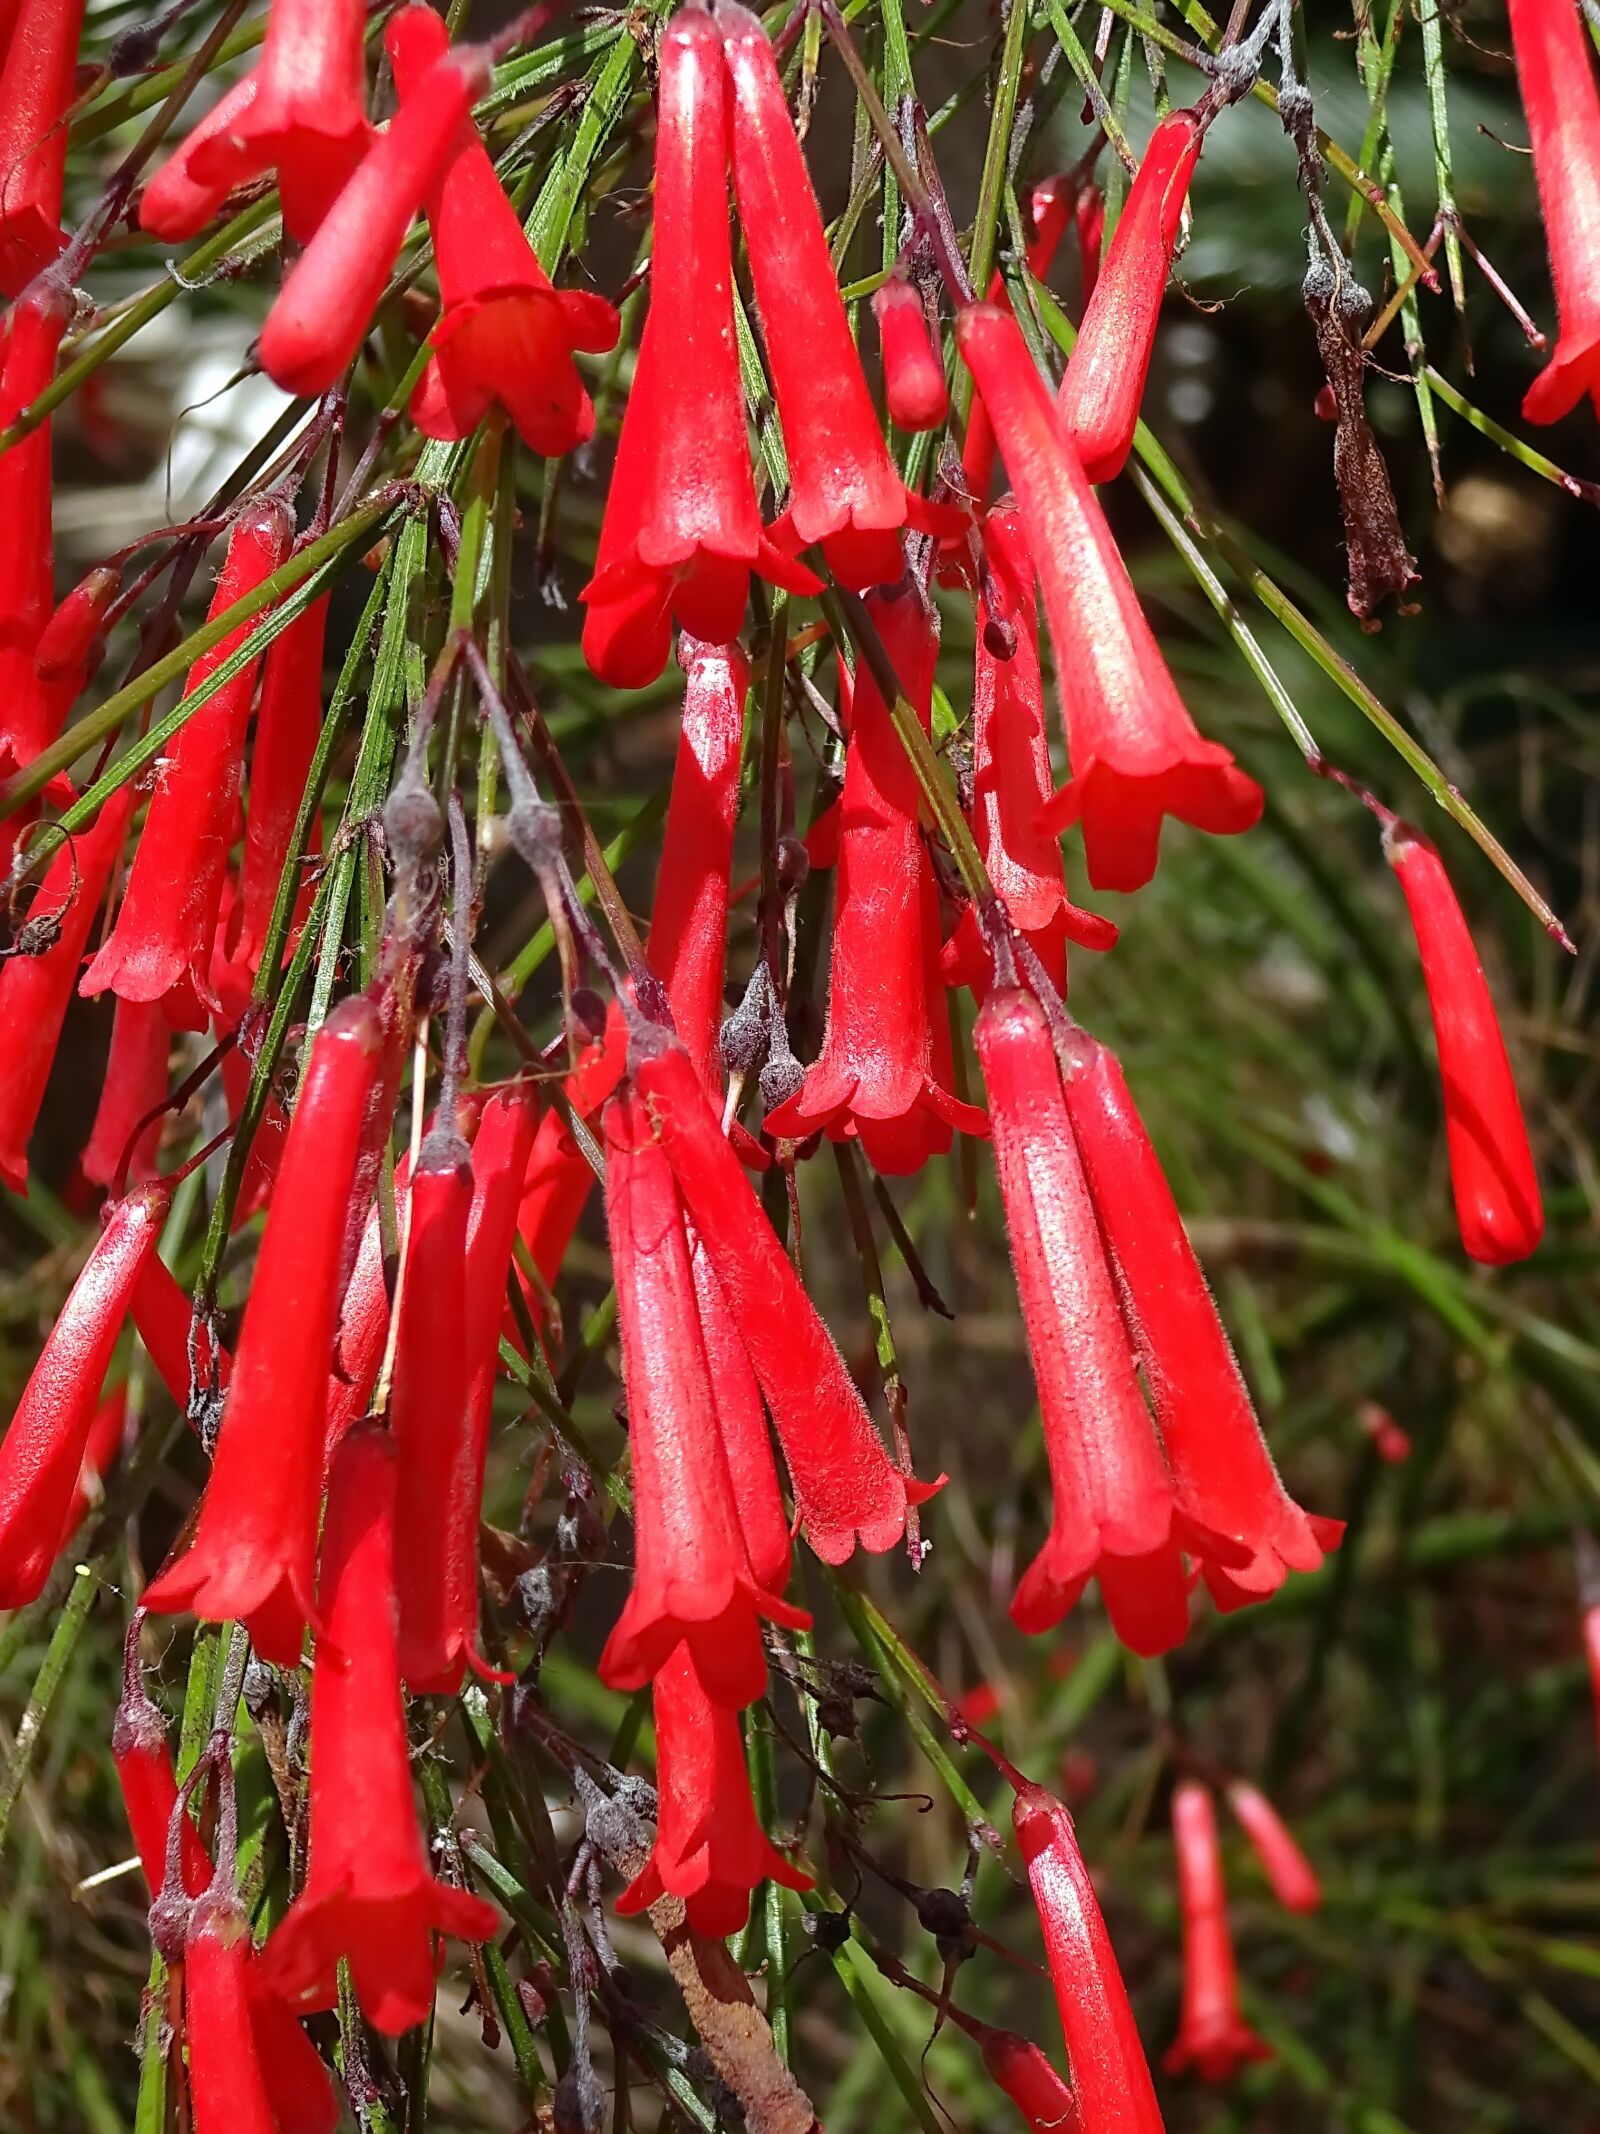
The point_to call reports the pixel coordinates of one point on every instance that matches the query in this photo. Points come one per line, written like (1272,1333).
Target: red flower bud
(72,641)
(37,84)
(844,491)
(30,709)
(307,119)
(876,1078)
(913,376)
(709,1850)
(845,1488)
(255,1547)
(143,1760)
(176,204)
(1247,1528)
(1555,72)
(1114,1512)
(1111,2079)
(369,1895)
(1498,1208)
(326,305)
(1097,408)
(160,947)
(1022,2072)
(133,1084)
(1136,755)
(288,725)
(42,1452)
(506,336)
(35,989)
(1293,1878)
(1213,2037)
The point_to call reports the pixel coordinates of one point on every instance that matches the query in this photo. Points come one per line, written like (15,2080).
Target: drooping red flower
(307,119)
(1021,2071)
(363,1319)
(506,336)
(875,1079)
(29,707)
(844,1484)
(843,488)
(1011,779)
(161,945)
(369,1895)
(558,1180)
(1097,408)
(742,1426)
(255,1546)
(1136,754)
(73,642)
(176,203)
(35,989)
(227,2085)
(1213,2036)
(42,1452)
(326,304)
(299,2087)
(1114,1515)
(37,81)
(1555,73)
(180,1345)
(1111,2078)
(710,1850)
(143,1759)
(1225,1482)
(134,1083)
(288,723)
(1498,1207)
(913,376)
(1053,206)
(1292,1876)
(692,1583)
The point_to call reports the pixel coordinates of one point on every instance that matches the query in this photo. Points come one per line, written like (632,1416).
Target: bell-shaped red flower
(37,82)
(143,1760)
(1114,1515)
(326,305)
(255,1547)
(1097,408)
(1498,1208)
(1213,2036)
(875,1080)
(1111,2078)
(1292,1876)
(843,488)
(176,203)
(160,947)
(1225,1482)
(308,117)
(35,989)
(1136,754)
(506,336)
(288,724)
(710,1850)
(1555,72)
(692,1584)
(1011,779)
(369,1895)
(844,1485)
(913,376)
(42,1451)
(30,709)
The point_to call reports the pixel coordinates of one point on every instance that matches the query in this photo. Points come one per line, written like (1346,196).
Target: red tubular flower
(1293,1878)
(1051,207)
(709,1850)
(913,376)
(256,1543)
(1555,72)
(36,89)
(845,1488)
(1089,220)
(165,1320)
(29,708)
(35,990)
(176,204)
(742,1426)
(363,1319)
(307,119)
(288,724)
(42,1452)
(1111,2078)
(1097,408)
(1213,2037)
(844,491)
(143,1760)
(299,2088)
(134,1083)
(323,311)
(1136,754)
(1225,1483)
(692,1583)
(1498,1208)
(1011,780)
(160,947)
(1114,1515)
(558,1179)
(876,1079)
(506,336)
(369,1895)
